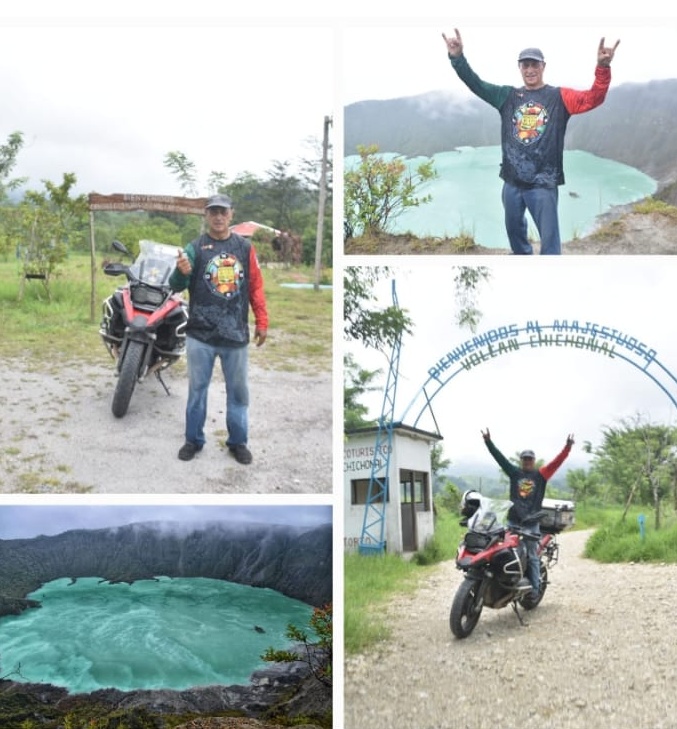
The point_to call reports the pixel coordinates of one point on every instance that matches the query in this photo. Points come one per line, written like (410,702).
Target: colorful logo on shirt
(525,487)
(224,275)
(529,122)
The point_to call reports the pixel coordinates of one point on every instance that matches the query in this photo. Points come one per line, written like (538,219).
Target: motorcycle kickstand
(162,382)
(519,617)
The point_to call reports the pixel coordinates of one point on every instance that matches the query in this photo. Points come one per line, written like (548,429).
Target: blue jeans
(200,357)
(541,202)
(533,571)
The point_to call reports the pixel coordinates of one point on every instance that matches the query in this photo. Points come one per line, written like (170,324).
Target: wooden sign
(121,202)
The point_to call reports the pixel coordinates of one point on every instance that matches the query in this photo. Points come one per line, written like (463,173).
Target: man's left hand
(570,439)
(260,336)
(606,54)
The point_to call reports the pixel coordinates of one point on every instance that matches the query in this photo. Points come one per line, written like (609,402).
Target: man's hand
(260,336)
(485,434)
(454,45)
(604,54)
(570,440)
(183,263)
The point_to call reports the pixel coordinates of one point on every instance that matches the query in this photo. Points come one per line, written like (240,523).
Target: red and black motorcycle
(144,321)
(494,559)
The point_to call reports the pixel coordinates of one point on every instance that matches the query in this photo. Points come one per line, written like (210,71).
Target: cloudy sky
(108,100)
(24,521)
(534,397)
(413,60)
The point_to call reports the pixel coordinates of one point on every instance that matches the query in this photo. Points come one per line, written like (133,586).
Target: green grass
(370,582)
(651,205)
(616,540)
(299,337)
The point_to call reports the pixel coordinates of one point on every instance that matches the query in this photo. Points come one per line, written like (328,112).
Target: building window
(359,490)
(414,488)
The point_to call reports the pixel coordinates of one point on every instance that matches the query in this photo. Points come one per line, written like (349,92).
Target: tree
(184,171)
(638,460)
(315,652)
(375,328)
(437,462)
(356,382)
(285,196)
(467,281)
(583,484)
(46,224)
(378,190)
(8,156)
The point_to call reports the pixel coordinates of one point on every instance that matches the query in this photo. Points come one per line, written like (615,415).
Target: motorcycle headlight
(143,296)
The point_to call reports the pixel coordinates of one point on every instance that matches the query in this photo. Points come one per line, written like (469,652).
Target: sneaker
(241,453)
(533,596)
(188,451)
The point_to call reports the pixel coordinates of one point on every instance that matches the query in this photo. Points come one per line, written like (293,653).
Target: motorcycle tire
(466,608)
(129,374)
(528,602)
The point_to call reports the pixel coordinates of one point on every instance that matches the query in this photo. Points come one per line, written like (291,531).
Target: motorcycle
(144,321)
(493,557)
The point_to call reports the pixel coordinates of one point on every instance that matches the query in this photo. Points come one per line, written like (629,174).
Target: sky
(534,397)
(413,60)
(25,521)
(109,100)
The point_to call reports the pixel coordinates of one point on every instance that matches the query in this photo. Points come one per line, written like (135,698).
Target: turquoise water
(172,634)
(467,194)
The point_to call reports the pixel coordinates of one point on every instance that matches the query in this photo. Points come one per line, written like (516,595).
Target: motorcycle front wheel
(466,608)
(129,374)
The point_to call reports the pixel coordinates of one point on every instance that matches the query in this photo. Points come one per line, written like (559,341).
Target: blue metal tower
(372,540)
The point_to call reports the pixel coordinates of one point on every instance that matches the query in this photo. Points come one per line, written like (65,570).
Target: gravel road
(60,436)
(600,651)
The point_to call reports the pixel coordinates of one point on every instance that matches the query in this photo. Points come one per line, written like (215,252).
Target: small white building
(409,506)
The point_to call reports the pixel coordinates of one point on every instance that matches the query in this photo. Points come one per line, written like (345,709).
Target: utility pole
(321,203)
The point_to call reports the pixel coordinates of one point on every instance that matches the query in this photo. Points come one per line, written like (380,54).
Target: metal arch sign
(586,336)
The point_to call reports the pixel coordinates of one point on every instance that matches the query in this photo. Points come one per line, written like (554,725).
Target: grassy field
(299,338)
(370,582)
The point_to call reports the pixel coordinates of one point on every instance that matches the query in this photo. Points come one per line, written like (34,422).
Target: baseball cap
(219,201)
(527,454)
(531,54)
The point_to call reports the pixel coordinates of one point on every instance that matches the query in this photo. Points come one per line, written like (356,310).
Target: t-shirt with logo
(527,488)
(533,123)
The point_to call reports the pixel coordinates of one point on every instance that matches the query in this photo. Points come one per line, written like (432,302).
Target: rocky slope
(292,561)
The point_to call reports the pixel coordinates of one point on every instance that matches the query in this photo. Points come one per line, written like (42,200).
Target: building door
(408,511)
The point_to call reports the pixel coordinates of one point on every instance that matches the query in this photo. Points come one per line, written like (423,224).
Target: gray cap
(527,454)
(219,201)
(531,54)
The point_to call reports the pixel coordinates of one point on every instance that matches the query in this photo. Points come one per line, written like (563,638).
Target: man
(533,122)
(221,272)
(527,489)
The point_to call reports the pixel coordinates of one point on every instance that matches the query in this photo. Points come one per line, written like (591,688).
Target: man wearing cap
(533,123)
(527,489)
(221,272)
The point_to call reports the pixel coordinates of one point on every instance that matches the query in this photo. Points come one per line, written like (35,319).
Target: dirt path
(600,651)
(59,434)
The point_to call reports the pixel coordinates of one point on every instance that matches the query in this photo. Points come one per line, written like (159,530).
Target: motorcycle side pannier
(559,515)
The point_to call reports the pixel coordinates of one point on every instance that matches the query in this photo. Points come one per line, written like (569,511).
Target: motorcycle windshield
(491,515)
(155,262)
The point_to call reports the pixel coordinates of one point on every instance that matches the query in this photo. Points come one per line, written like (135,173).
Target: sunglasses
(218,211)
